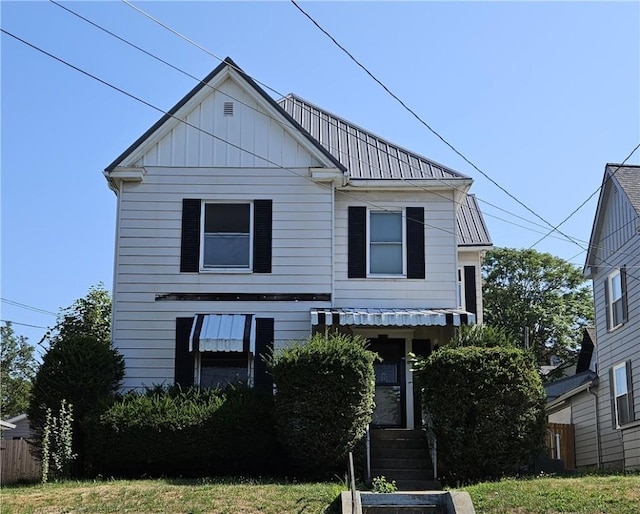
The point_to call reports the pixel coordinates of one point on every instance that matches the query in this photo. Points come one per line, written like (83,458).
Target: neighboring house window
(622,401)
(226,235)
(616,292)
(382,243)
(460,289)
(386,243)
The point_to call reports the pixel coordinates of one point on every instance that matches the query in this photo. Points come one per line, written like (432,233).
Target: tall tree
(17,370)
(537,297)
(81,366)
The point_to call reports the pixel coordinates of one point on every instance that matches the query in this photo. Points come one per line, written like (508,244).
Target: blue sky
(539,95)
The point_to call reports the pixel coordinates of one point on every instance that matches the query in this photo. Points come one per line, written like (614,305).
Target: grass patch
(596,494)
(172,496)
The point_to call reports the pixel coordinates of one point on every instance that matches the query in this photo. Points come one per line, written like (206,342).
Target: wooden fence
(16,461)
(561,443)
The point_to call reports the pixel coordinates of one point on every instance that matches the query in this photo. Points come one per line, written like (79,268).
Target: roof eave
(462,185)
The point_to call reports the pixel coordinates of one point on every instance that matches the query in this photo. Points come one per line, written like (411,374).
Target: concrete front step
(399,453)
(402,474)
(396,433)
(397,463)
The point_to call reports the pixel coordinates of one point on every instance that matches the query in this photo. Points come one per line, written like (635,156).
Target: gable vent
(228,109)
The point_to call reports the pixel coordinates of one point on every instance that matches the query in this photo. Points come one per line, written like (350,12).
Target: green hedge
(184,433)
(324,400)
(487,407)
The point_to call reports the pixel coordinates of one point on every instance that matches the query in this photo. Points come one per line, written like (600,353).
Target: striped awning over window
(223,333)
(392,317)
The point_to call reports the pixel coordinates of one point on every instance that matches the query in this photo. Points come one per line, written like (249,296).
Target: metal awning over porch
(223,333)
(392,317)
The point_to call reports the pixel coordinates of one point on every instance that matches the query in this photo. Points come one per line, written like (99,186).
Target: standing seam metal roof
(472,230)
(364,154)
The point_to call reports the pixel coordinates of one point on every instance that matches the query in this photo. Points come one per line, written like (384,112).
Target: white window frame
(213,269)
(403,216)
(616,393)
(611,300)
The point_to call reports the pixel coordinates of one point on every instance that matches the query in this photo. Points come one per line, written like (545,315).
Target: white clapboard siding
(439,287)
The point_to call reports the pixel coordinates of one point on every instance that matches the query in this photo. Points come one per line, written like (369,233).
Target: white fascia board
(461,185)
(474,248)
(123,174)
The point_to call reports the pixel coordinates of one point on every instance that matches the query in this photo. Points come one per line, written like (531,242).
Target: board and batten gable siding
(618,245)
(437,289)
(250,128)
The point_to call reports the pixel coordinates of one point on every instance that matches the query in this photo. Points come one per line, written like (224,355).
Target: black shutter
(470,301)
(415,242)
(262,229)
(262,380)
(357,267)
(183,358)
(606,303)
(612,394)
(190,244)
(632,416)
(623,287)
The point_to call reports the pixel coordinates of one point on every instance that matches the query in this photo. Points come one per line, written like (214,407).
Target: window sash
(621,395)
(226,236)
(386,254)
(615,301)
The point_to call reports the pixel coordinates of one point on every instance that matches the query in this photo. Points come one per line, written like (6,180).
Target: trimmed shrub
(324,400)
(170,432)
(487,407)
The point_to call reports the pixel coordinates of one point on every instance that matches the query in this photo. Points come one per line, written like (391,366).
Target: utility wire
(130,95)
(190,41)
(588,198)
(27,307)
(22,324)
(431,129)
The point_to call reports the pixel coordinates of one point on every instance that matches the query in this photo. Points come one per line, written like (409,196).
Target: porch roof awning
(223,333)
(392,317)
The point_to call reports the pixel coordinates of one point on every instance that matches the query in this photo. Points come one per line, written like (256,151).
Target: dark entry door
(390,383)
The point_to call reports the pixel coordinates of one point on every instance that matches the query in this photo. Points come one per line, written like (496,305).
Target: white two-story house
(245,223)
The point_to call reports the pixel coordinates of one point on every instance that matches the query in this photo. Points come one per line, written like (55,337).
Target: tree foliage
(539,296)
(80,366)
(487,409)
(17,370)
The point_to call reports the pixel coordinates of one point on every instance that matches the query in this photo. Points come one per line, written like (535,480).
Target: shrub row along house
(602,400)
(244,223)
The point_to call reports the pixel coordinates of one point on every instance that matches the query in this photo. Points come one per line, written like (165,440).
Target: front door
(390,410)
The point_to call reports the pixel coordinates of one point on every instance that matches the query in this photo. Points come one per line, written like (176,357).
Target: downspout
(597,413)
(117,189)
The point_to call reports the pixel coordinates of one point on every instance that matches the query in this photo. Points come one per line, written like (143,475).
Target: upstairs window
(616,298)
(227,236)
(386,243)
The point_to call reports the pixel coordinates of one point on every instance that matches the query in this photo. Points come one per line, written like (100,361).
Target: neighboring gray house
(244,223)
(613,263)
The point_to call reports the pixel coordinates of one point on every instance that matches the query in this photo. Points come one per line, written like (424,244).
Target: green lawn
(547,495)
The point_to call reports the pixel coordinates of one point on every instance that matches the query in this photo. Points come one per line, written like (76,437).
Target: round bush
(324,400)
(487,408)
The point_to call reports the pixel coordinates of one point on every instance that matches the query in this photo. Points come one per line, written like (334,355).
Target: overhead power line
(424,123)
(266,86)
(27,307)
(22,324)
(238,147)
(588,198)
